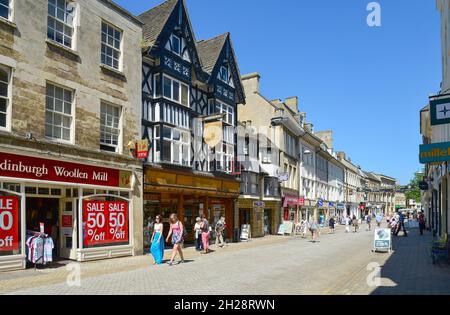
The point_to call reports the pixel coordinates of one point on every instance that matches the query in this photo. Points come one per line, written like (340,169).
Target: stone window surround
(9,70)
(73,45)
(73,109)
(119,69)
(119,146)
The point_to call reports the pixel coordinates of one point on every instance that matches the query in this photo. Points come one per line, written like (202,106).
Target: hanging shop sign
(423,186)
(105,223)
(435,152)
(320,203)
(259,204)
(340,206)
(440,111)
(18,166)
(142,149)
(9,223)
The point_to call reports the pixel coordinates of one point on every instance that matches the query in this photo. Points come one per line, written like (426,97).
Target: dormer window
(225,75)
(177,45)
(174,44)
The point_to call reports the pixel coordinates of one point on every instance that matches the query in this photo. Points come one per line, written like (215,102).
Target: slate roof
(209,51)
(155,19)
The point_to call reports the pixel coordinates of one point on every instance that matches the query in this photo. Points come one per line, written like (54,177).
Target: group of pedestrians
(177,235)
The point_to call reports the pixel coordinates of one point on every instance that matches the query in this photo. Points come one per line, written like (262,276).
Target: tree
(413,190)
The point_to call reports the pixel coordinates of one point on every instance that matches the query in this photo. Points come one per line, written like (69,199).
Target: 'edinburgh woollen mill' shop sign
(25,167)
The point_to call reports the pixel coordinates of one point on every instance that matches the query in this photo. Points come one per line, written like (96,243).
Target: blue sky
(366,84)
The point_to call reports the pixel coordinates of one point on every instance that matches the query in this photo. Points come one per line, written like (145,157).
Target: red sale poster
(9,223)
(105,223)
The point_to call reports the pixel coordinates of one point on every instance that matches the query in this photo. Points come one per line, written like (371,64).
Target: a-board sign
(245,232)
(382,240)
(281,229)
(288,227)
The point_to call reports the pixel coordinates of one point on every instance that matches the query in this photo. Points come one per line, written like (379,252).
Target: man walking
(401,222)
(369,221)
(379,219)
(421,222)
(220,226)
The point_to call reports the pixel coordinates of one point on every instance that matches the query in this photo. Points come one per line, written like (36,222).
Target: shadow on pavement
(410,270)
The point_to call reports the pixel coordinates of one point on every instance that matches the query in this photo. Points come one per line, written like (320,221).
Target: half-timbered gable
(174,84)
(219,61)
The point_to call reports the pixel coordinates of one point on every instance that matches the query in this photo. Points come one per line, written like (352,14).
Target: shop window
(125,194)
(110,129)
(58,113)
(43,191)
(88,192)
(111,41)
(55,192)
(11,186)
(31,190)
(113,192)
(60,22)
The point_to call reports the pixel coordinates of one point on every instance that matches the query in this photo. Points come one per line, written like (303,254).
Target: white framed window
(5,97)
(111,52)
(174,146)
(110,127)
(222,108)
(59,113)
(225,157)
(290,144)
(176,91)
(60,22)
(6,9)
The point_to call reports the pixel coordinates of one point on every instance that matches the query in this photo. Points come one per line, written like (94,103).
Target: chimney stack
(251,82)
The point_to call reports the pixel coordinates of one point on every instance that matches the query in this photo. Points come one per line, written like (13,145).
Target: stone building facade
(73,100)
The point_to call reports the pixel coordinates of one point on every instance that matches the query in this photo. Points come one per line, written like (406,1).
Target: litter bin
(236,235)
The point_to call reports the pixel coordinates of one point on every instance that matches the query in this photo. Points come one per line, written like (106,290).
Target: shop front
(189,195)
(87,211)
(291,207)
(307,210)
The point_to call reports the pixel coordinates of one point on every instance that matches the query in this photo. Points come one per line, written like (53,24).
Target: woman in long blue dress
(157,248)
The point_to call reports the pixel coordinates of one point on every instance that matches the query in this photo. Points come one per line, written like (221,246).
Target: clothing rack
(43,236)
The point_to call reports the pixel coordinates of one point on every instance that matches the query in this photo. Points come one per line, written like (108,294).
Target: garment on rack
(48,249)
(40,249)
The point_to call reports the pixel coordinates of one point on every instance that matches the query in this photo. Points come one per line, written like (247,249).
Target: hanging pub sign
(142,149)
(9,223)
(105,223)
(213,133)
(440,110)
(423,186)
(19,166)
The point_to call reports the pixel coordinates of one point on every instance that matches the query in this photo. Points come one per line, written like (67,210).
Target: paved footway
(336,265)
